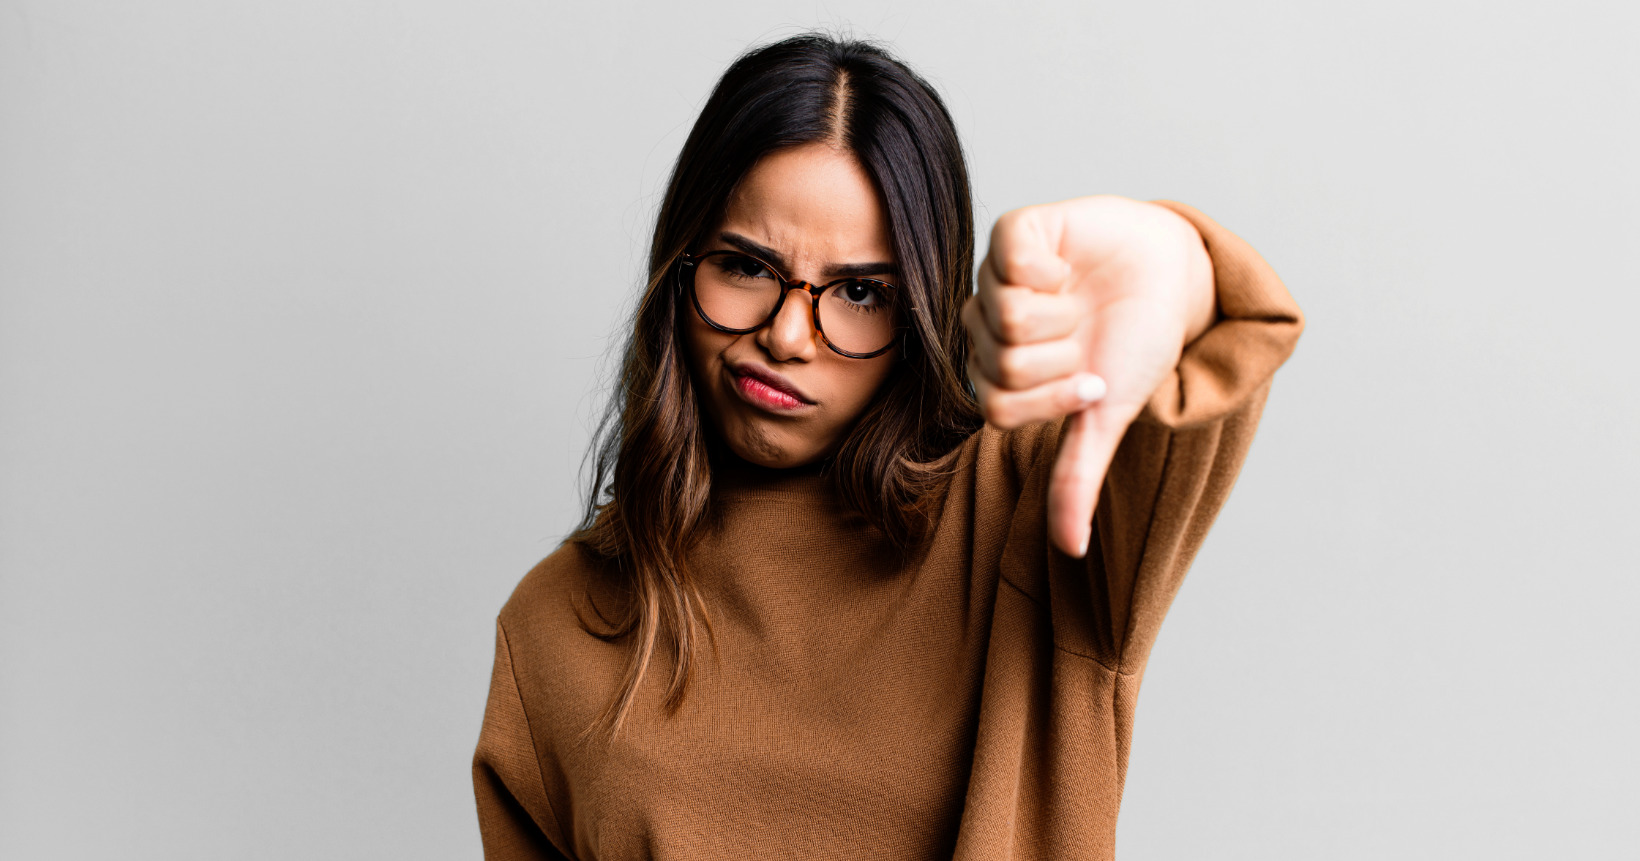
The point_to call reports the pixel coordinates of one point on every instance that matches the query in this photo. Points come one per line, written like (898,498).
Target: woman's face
(808,211)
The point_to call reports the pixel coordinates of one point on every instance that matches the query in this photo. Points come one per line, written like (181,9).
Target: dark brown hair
(651,479)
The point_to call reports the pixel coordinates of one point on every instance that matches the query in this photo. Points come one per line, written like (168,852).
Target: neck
(733,472)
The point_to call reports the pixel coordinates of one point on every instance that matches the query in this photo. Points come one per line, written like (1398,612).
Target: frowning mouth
(766,389)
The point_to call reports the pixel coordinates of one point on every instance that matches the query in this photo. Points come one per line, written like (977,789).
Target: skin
(1082,308)
(817,208)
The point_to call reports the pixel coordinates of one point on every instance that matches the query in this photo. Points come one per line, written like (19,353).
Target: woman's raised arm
(1083,308)
(1158,454)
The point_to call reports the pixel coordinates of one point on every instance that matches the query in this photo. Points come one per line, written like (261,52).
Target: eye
(864,296)
(741,268)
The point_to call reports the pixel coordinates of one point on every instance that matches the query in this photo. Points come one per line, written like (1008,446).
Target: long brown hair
(651,480)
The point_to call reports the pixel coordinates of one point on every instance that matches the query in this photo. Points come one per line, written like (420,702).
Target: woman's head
(827,154)
(781,395)
(850,144)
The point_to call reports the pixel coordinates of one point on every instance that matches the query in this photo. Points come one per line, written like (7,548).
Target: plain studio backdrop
(307,309)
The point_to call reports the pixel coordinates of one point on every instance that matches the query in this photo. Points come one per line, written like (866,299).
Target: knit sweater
(973,701)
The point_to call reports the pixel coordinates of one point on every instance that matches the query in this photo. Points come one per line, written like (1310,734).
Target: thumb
(1085,451)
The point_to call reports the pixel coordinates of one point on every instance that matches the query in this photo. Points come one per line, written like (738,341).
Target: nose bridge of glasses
(807,303)
(790,284)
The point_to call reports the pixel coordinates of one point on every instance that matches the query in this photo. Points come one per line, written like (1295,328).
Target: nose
(791,335)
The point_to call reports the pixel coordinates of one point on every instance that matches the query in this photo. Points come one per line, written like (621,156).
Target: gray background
(304,310)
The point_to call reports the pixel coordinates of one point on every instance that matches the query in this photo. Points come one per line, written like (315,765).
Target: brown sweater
(976,702)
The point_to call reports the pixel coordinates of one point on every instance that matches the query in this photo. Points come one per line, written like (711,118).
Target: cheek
(704,348)
(864,380)
(701,348)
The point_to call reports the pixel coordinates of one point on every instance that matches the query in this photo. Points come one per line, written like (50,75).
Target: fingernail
(1083,552)
(1090,388)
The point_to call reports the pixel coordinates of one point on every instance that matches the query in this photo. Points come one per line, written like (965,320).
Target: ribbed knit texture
(974,702)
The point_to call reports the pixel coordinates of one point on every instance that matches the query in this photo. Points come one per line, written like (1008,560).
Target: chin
(768,449)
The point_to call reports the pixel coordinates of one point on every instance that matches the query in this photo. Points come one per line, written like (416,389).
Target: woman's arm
(1083,308)
(513,809)
(1181,440)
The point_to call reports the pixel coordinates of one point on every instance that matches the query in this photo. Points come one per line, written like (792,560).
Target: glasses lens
(735,291)
(859,315)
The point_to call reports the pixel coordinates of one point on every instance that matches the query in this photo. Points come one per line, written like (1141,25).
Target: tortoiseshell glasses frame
(689,264)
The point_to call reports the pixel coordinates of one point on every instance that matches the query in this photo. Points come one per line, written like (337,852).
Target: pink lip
(765,388)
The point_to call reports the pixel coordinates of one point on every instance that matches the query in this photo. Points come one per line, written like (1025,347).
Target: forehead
(815,204)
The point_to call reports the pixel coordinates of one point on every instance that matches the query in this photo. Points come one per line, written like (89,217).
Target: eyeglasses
(738,293)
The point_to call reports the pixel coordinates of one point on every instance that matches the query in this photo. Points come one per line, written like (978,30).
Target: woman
(828,601)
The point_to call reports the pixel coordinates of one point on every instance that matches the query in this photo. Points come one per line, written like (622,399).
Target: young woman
(874,558)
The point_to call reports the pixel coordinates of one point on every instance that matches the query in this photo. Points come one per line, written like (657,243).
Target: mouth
(766,389)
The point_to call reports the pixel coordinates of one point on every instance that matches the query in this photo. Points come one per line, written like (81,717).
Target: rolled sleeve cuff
(1255,328)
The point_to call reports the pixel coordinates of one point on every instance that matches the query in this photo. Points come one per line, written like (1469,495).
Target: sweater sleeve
(514,815)
(1177,462)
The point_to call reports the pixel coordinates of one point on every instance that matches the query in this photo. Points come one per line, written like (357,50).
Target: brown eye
(743,268)
(861,293)
(863,297)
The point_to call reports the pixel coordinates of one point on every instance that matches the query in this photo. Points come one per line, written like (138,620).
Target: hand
(1083,308)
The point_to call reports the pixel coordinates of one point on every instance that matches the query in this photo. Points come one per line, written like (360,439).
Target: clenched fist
(1083,307)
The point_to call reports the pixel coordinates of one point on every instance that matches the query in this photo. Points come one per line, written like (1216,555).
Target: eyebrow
(773,257)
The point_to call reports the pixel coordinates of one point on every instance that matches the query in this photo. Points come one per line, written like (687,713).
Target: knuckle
(1014,261)
(1011,367)
(1013,321)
